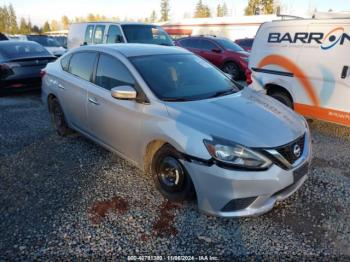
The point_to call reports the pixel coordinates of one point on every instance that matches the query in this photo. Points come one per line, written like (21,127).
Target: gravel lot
(63,197)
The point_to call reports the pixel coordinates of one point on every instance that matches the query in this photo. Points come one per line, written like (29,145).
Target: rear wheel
(58,118)
(231,69)
(170,176)
(283,98)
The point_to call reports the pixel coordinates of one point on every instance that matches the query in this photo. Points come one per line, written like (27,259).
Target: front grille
(288,151)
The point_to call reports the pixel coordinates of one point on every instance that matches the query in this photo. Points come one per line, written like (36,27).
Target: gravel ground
(68,197)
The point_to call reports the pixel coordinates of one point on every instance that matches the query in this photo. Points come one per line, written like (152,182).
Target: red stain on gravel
(100,209)
(164,225)
(144,237)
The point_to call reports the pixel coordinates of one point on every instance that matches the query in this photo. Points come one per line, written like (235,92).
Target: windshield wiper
(177,99)
(223,93)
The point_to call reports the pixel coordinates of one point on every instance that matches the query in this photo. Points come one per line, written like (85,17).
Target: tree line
(9,24)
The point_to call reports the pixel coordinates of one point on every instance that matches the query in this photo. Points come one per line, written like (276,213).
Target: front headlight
(237,155)
(245,58)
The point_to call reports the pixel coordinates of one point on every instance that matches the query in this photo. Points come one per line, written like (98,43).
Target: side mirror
(119,39)
(124,92)
(216,50)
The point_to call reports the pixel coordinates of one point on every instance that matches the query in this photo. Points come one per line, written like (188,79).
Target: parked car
(49,43)
(245,43)
(21,63)
(304,63)
(61,39)
(3,37)
(110,33)
(221,52)
(174,114)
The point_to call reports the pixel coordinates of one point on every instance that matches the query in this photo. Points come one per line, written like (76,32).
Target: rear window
(12,50)
(229,45)
(44,40)
(146,34)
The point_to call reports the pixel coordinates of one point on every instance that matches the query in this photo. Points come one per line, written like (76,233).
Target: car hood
(248,118)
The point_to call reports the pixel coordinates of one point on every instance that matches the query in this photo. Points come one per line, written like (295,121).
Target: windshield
(16,50)
(182,77)
(146,34)
(229,45)
(43,40)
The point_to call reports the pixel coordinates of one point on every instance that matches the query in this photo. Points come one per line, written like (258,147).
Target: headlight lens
(237,155)
(245,58)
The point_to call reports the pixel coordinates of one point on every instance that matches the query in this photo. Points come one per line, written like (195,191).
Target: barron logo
(326,41)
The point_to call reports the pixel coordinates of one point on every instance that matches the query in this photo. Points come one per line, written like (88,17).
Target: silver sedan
(171,113)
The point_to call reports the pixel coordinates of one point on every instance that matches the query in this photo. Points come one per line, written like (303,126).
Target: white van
(109,33)
(305,64)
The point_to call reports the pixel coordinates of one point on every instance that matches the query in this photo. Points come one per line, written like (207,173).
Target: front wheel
(231,69)
(170,176)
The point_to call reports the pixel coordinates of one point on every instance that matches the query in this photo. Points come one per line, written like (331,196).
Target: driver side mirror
(124,92)
(119,39)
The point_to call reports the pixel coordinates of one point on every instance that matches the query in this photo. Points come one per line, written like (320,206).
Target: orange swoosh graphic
(293,68)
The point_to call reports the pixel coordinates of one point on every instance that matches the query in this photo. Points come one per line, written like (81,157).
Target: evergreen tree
(54,25)
(29,26)
(36,29)
(202,10)
(65,22)
(153,17)
(12,26)
(164,10)
(23,27)
(2,19)
(46,27)
(224,9)
(263,6)
(219,11)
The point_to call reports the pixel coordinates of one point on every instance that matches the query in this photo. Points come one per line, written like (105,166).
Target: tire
(170,176)
(283,98)
(232,69)
(59,119)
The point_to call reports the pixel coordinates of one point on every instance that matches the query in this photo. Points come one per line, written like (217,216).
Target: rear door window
(114,35)
(82,64)
(98,35)
(112,73)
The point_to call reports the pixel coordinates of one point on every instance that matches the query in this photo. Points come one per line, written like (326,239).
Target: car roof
(212,37)
(114,22)
(132,50)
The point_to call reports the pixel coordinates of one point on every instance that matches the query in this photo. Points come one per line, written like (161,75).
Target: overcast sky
(41,10)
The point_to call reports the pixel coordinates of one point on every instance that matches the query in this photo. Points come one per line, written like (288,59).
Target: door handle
(60,86)
(93,101)
(344,72)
